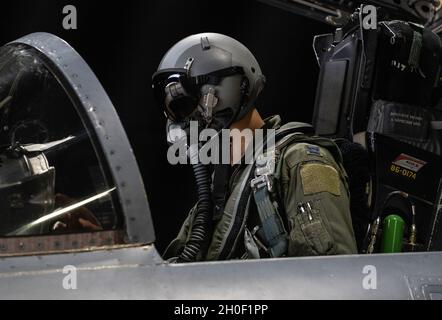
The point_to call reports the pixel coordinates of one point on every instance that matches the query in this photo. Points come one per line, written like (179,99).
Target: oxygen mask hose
(199,234)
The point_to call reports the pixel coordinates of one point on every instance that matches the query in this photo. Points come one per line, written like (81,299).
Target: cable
(199,234)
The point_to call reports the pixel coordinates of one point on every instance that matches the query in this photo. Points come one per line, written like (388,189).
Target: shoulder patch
(313,150)
(318,177)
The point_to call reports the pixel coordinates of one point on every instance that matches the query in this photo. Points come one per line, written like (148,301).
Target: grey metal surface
(139,273)
(95,108)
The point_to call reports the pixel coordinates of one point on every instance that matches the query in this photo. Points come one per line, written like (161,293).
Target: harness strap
(273,232)
(241,206)
(220,187)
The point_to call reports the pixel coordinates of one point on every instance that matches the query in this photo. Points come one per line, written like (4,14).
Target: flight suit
(312,199)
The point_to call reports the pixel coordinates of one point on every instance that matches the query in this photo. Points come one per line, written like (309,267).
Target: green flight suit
(309,172)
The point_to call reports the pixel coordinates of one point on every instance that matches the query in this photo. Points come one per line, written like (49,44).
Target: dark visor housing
(178,94)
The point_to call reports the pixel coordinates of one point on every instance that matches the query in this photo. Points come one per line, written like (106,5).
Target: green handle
(393,234)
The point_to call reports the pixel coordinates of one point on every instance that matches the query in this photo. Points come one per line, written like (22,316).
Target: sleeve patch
(318,178)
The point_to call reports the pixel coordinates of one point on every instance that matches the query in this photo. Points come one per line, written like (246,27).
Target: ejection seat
(380,88)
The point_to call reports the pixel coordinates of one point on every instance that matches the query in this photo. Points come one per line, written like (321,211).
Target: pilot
(291,200)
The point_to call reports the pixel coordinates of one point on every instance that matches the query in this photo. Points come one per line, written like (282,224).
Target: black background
(123,42)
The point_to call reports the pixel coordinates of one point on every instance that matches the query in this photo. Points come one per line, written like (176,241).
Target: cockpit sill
(64,244)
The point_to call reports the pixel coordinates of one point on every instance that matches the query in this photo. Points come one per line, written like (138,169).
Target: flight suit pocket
(309,235)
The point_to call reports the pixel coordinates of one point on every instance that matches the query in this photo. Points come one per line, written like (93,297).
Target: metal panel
(139,273)
(92,102)
(425,288)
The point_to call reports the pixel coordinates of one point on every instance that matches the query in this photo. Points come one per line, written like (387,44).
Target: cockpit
(56,178)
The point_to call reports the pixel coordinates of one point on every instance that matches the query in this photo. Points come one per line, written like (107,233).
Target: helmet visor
(175,94)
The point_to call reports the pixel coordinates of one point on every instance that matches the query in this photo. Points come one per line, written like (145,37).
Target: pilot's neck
(251,121)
